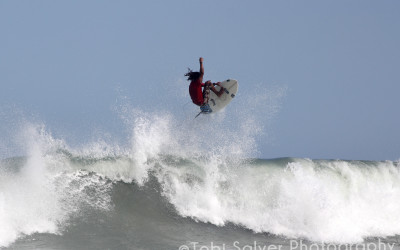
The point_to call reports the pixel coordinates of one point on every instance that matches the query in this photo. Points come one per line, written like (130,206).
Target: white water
(329,201)
(44,194)
(332,201)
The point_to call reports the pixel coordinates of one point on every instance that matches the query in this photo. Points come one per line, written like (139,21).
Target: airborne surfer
(199,97)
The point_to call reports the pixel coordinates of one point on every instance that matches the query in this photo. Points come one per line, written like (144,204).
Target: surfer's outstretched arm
(201,69)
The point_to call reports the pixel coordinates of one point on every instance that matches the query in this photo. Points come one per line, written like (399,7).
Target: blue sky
(67,63)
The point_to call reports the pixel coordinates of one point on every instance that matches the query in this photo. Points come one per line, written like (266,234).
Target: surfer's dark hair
(192,75)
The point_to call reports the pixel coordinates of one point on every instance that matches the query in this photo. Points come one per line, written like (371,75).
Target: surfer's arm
(201,69)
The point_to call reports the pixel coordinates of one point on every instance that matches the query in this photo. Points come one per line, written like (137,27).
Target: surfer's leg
(206,93)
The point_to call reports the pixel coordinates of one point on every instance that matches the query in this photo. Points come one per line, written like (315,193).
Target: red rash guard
(195,92)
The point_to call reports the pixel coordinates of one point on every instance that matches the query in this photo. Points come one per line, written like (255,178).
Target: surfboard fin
(198,114)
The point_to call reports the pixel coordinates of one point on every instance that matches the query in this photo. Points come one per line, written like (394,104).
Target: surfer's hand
(201,60)
(218,83)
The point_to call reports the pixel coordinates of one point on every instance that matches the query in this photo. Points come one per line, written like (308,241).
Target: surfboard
(230,89)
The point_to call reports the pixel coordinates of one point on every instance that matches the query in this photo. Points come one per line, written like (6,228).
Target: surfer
(200,98)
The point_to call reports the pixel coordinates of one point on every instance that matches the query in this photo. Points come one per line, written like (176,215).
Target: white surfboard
(217,103)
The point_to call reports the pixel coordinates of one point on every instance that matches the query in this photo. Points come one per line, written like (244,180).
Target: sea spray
(41,195)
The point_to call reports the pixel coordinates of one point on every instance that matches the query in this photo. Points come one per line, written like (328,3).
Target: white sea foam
(202,168)
(42,195)
(332,201)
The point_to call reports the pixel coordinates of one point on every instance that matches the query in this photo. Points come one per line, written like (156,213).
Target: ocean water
(171,187)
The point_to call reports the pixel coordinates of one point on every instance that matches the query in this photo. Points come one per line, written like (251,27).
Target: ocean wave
(206,181)
(319,200)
